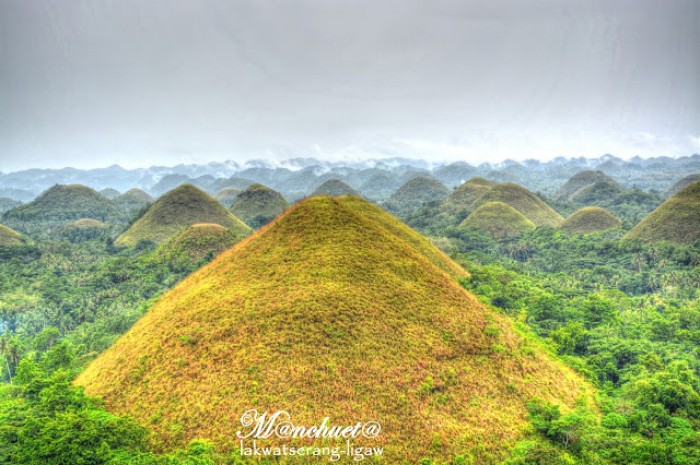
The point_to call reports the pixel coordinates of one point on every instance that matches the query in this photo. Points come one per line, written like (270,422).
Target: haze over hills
(175,210)
(677,220)
(237,337)
(59,206)
(588,187)
(298,176)
(227,195)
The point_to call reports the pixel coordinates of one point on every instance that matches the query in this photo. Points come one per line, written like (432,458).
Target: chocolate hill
(175,210)
(258,205)
(590,219)
(498,220)
(334,309)
(676,220)
(527,203)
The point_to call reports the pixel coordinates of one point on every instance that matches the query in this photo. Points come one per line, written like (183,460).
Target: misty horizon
(138,84)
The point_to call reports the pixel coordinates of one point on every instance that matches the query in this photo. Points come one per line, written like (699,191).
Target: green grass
(676,220)
(334,309)
(258,205)
(590,219)
(499,220)
(181,207)
(195,243)
(528,204)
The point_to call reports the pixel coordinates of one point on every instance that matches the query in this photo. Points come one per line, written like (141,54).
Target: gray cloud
(93,83)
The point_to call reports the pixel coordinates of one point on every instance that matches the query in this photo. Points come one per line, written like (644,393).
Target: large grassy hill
(334,309)
(183,206)
(677,220)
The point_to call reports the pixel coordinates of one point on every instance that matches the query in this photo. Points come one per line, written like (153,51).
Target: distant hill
(227,195)
(677,220)
(258,205)
(589,187)
(379,186)
(85,229)
(133,200)
(334,188)
(677,187)
(527,203)
(7,203)
(466,194)
(110,193)
(59,206)
(332,304)
(11,238)
(590,219)
(416,192)
(499,220)
(183,206)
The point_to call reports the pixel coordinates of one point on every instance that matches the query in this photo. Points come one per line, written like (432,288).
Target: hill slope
(680,185)
(60,205)
(499,220)
(676,220)
(528,204)
(258,205)
(181,207)
(590,219)
(198,242)
(330,310)
(11,238)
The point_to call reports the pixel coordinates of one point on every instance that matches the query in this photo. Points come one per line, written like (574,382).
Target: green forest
(600,278)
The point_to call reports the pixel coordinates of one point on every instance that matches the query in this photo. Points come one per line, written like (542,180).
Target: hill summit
(335,309)
(676,220)
(61,205)
(181,207)
(590,219)
(258,205)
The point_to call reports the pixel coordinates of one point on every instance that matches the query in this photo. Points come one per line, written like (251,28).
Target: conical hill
(181,207)
(590,219)
(258,205)
(499,220)
(331,311)
(334,188)
(676,220)
(530,205)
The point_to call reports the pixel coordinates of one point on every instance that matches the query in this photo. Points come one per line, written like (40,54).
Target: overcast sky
(92,83)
